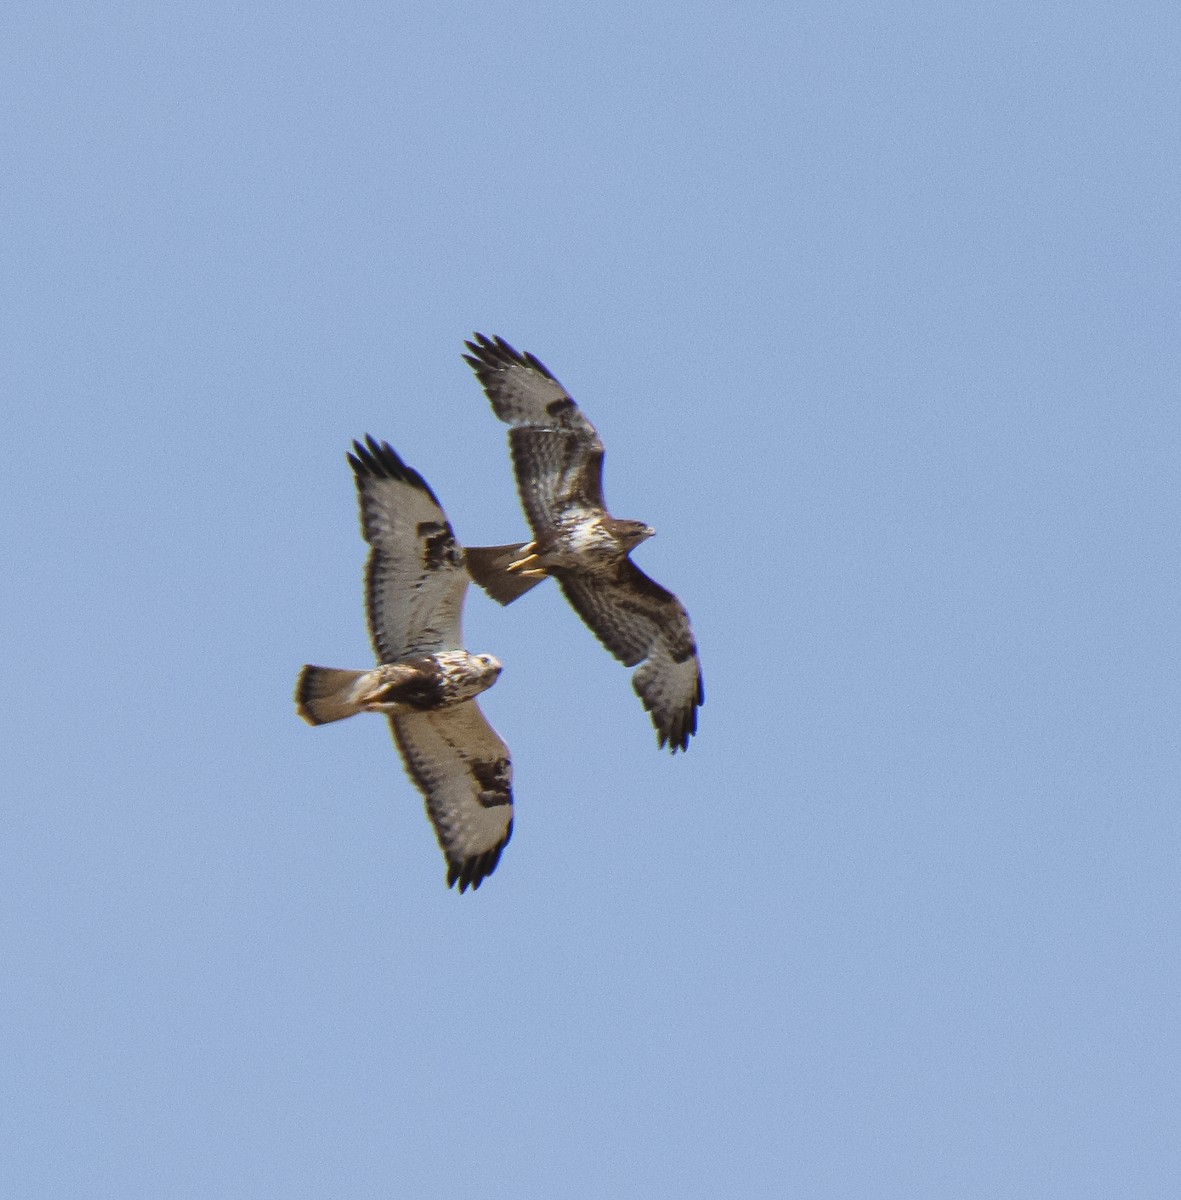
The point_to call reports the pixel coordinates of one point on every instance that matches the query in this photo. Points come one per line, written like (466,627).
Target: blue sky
(876,309)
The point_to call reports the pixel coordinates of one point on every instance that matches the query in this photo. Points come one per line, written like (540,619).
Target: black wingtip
(492,354)
(471,872)
(379,460)
(677,732)
(678,737)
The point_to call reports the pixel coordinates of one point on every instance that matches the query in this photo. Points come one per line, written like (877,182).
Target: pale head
(489,665)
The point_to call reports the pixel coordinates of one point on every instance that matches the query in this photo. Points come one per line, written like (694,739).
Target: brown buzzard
(558,460)
(425,682)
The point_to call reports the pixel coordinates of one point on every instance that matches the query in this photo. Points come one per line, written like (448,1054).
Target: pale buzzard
(558,459)
(425,681)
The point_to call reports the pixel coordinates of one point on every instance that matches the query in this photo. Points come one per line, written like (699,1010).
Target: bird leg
(528,562)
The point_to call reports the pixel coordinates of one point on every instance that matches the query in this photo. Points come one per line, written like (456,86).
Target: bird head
(490,663)
(632,533)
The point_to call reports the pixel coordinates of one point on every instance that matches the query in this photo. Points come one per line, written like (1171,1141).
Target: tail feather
(324,694)
(489,567)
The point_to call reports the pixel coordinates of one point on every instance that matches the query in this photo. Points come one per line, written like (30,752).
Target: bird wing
(556,479)
(557,453)
(415,577)
(641,622)
(462,768)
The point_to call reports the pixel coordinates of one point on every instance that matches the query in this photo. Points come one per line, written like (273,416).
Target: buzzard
(425,682)
(558,460)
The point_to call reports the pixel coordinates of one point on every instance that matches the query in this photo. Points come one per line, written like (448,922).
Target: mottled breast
(449,677)
(587,544)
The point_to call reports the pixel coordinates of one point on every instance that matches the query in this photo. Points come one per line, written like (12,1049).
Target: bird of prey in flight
(425,681)
(558,460)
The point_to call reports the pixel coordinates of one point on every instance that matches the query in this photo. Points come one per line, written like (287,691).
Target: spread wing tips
(677,731)
(672,706)
(492,354)
(379,460)
(471,872)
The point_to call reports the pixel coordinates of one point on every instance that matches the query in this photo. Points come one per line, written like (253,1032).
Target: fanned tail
(492,568)
(324,694)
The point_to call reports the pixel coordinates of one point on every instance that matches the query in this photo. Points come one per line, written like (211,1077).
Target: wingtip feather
(379,460)
(492,354)
(472,872)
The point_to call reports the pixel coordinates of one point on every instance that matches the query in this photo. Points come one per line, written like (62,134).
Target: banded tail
(499,570)
(324,694)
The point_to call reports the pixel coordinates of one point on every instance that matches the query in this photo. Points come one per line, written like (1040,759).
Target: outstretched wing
(557,455)
(463,770)
(641,622)
(415,577)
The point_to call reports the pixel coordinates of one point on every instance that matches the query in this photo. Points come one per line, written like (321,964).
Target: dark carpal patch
(684,653)
(439,547)
(495,780)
